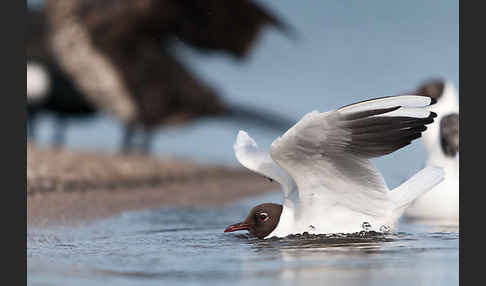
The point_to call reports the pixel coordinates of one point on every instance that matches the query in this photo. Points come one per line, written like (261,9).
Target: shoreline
(66,187)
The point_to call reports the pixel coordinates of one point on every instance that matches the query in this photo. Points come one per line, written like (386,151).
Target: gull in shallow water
(322,164)
(441,140)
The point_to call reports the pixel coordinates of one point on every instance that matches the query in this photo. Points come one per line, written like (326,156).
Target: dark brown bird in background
(62,99)
(119,54)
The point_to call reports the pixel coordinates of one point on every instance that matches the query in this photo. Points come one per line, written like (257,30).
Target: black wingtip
(433,101)
(433,114)
(420,128)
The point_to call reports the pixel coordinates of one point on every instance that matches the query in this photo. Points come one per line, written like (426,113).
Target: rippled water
(187,246)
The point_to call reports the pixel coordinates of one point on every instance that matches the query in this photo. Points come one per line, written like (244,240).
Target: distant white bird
(38,82)
(38,88)
(322,165)
(441,205)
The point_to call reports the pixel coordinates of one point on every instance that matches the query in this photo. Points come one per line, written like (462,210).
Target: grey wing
(329,152)
(449,134)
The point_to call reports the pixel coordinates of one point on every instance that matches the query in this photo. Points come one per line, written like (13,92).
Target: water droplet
(366,226)
(385,228)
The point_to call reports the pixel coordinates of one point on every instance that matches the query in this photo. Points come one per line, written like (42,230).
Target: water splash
(333,238)
(366,226)
(385,228)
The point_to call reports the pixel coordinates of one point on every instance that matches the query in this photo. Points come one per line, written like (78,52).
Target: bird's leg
(31,127)
(59,132)
(146,147)
(127,140)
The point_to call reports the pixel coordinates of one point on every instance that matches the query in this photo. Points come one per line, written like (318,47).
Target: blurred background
(177,79)
(321,55)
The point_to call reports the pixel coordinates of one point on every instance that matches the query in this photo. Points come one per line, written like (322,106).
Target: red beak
(237,226)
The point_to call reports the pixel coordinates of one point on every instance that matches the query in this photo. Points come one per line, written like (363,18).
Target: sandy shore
(73,187)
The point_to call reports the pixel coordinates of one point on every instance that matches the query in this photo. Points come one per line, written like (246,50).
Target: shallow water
(187,246)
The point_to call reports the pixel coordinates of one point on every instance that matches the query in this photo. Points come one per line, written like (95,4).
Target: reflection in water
(305,259)
(351,259)
(435,225)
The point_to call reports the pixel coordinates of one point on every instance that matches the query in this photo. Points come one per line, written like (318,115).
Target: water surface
(187,246)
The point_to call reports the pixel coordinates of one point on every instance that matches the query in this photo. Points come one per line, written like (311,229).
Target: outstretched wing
(327,153)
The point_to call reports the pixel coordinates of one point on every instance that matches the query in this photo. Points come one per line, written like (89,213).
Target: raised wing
(327,153)
(259,161)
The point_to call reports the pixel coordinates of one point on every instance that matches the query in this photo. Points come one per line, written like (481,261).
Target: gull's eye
(262,217)
(268,178)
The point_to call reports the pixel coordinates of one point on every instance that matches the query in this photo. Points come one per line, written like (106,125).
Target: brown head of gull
(261,220)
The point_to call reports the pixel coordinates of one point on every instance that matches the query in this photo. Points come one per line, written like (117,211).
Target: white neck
(285,224)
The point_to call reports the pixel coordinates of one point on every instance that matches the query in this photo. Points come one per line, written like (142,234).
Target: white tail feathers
(417,185)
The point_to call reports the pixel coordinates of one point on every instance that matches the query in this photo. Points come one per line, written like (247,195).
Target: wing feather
(329,152)
(259,161)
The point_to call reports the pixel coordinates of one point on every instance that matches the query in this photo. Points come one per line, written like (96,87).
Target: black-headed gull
(322,164)
(441,204)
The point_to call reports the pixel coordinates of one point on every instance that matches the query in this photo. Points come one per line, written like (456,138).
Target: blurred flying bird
(118,53)
(441,140)
(49,89)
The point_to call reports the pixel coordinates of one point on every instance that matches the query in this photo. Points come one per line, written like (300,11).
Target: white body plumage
(322,165)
